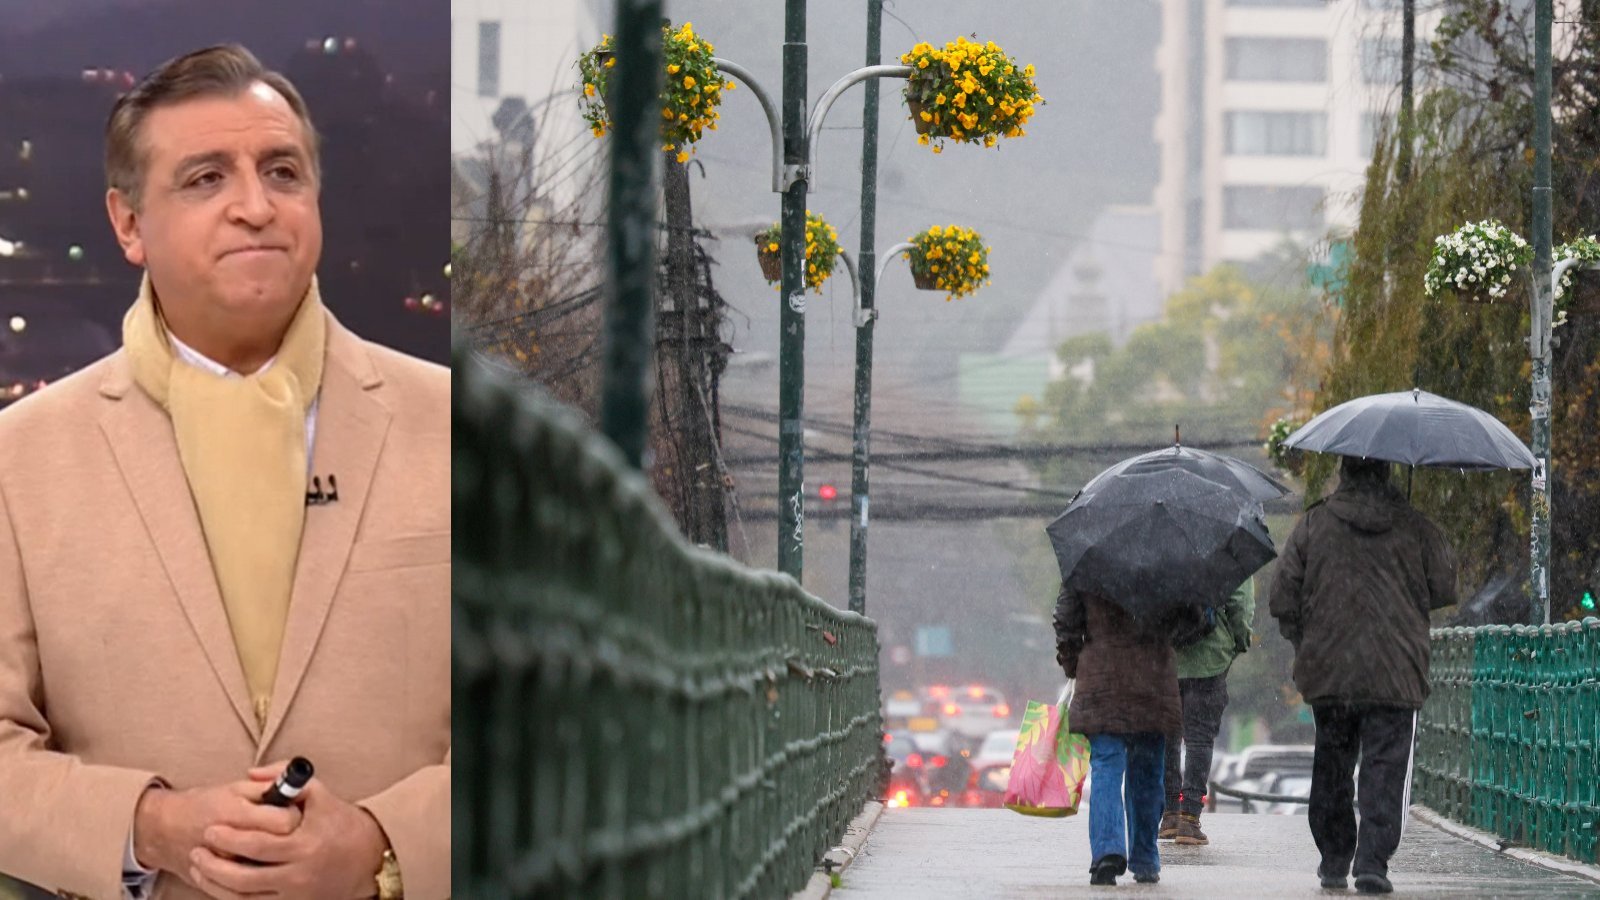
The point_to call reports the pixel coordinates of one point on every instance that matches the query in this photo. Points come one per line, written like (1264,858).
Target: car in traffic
(991,768)
(1258,769)
(925,771)
(970,711)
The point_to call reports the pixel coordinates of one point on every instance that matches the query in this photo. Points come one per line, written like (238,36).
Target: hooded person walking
(1126,702)
(1203,665)
(1354,587)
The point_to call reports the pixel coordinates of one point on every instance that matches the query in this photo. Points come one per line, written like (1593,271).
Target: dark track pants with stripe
(1382,737)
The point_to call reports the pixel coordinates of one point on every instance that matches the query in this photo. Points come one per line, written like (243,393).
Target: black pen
(294,779)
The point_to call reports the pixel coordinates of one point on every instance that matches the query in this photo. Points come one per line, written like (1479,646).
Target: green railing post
(634,716)
(631,230)
(1510,737)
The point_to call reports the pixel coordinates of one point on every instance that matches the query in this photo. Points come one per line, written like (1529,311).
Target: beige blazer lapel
(351,428)
(141,439)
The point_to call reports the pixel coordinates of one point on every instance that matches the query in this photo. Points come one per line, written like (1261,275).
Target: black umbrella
(1414,428)
(1224,470)
(1151,541)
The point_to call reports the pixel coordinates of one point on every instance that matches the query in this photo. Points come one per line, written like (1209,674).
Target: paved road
(919,854)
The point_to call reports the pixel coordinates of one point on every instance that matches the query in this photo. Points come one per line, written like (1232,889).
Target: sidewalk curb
(1484,839)
(855,835)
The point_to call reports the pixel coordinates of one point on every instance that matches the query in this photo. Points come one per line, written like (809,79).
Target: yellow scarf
(242,442)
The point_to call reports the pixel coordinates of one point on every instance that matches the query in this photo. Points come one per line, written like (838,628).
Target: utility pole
(1543,303)
(792,320)
(688,331)
(631,232)
(867,318)
(1408,68)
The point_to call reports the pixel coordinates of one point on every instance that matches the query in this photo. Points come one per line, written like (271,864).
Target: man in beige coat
(182,608)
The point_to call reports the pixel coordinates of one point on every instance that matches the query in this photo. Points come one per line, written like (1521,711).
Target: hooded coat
(1354,587)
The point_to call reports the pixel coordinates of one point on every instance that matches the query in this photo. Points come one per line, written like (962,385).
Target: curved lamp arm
(855,283)
(888,256)
(774,124)
(814,127)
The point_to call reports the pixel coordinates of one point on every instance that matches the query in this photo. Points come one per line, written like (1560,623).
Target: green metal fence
(1510,738)
(634,717)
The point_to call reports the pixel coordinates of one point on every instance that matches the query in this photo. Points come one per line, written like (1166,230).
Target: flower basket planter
(924,281)
(916,107)
(771,265)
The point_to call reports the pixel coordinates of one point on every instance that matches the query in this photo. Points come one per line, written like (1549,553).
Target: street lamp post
(791,176)
(1543,311)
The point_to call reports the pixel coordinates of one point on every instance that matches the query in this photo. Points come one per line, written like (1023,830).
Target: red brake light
(974,692)
(937,762)
(888,739)
(914,760)
(939,691)
(1002,711)
(950,709)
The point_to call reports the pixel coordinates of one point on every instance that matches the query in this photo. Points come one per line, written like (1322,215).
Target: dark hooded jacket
(1355,583)
(1126,671)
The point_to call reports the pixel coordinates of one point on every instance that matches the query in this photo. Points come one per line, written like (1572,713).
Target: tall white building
(1269,108)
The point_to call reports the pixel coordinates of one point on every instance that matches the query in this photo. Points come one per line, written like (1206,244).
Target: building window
(1277,59)
(1255,133)
(488,59)
(1270,208)
(1380,60)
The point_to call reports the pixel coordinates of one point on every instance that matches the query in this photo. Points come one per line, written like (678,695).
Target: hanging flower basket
(690,94)
(949,258)
(1577,296)
(771,262)
(1477,263)
(1286,458)
(822,252)
(968,93)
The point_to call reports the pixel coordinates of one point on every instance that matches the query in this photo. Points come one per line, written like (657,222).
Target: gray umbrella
(1414,428)
(1151,541)
(1224,470)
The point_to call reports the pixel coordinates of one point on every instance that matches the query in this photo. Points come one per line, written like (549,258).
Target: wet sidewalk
(914,854)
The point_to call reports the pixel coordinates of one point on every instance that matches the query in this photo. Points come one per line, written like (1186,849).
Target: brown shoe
(1169,826)
(1189,832)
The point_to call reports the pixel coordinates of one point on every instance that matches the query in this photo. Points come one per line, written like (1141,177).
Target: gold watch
(388,878)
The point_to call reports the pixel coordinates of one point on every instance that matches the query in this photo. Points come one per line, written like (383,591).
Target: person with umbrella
(1125,700)
(1355,584)
(1360,575)
(1141,549)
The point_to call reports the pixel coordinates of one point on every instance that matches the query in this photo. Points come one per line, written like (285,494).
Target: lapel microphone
(290,783)
(316,497)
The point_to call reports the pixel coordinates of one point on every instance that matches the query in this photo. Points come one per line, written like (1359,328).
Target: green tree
(1473,160)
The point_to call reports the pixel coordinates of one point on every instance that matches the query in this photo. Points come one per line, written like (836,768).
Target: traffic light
(1588,601)
(827,493)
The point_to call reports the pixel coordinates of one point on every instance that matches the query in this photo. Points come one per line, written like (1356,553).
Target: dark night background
(378,92)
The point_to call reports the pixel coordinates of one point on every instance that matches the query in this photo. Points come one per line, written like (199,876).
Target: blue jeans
(1125,823)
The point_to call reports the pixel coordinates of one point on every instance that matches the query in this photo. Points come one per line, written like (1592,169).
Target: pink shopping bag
(1049,766)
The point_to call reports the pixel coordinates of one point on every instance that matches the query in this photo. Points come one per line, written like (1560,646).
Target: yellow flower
(938,149)
(673,69)
(688,82)
(611,62)
(772,247)
(687,30)
(668,148)
(683,156)
(598,131)
(666,112)
(939,100)
(922,63)
(1028,70)
(927,116)
(922,139)
(588,90)
(989,140)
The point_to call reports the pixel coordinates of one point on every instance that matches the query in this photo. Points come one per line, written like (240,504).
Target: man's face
(229,227)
